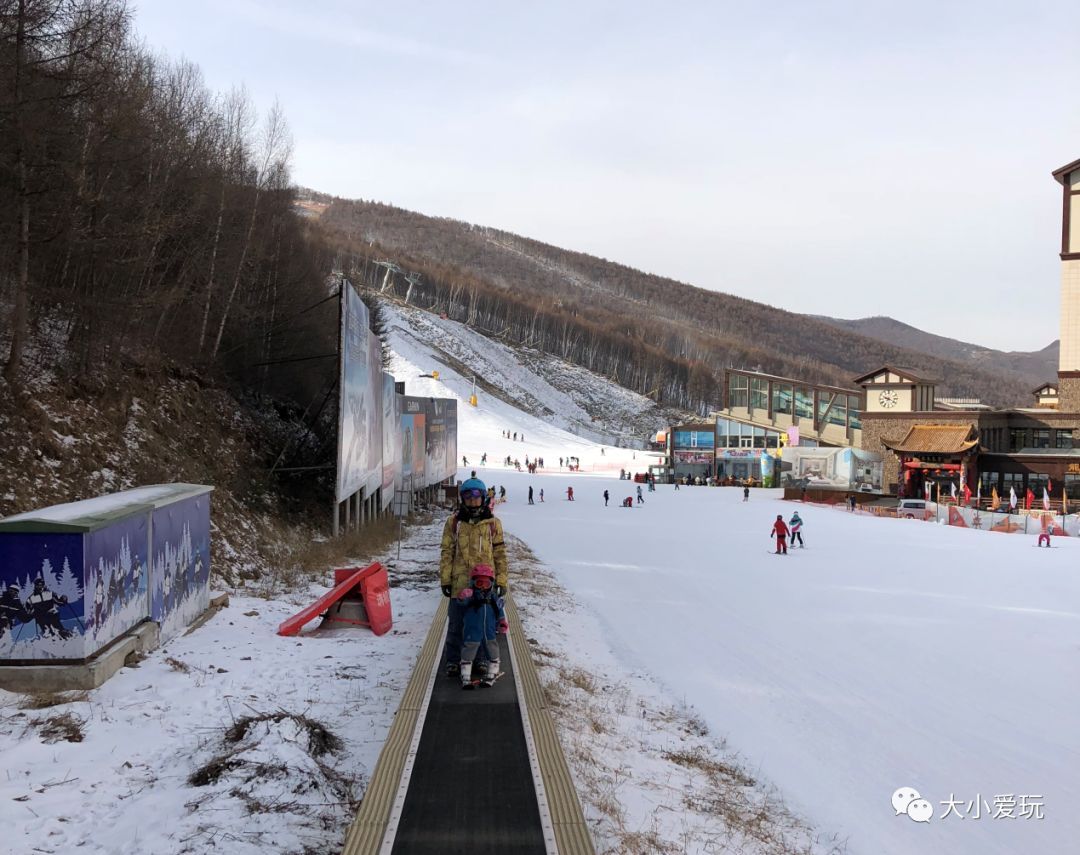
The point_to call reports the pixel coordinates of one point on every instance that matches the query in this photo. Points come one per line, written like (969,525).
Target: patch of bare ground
(68,441)
(626,753)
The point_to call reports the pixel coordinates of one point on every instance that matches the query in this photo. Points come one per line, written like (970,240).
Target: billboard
(451,438)
(376,390)
(435,448)
(834,468)
(391,430)
(354,397)
(413,441)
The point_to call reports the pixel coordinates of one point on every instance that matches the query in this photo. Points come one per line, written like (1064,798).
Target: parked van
(912,509)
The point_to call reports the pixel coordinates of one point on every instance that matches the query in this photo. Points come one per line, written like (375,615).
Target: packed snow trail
(889,653)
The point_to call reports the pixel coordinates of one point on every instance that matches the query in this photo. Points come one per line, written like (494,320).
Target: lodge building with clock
(924,439)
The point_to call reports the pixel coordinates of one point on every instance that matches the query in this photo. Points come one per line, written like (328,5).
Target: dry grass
(697,758)
(320,740)
(66,727)
(177,665)
(47,700)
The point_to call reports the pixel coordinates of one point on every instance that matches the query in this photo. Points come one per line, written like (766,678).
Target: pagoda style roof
(935,439)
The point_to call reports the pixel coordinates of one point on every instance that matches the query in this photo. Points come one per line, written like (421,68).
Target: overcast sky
(849,159)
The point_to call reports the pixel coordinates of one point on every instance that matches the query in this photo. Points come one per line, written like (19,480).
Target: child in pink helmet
(484,619)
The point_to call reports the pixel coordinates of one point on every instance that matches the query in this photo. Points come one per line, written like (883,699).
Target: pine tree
(68,584)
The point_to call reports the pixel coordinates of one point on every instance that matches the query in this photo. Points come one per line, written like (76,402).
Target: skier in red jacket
(780,532)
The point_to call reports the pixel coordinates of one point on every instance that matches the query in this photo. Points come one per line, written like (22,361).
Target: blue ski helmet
(473,484)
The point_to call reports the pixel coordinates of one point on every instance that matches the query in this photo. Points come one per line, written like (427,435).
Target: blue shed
(75,577)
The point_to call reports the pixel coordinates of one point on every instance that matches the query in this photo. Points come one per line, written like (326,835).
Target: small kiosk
(75,577)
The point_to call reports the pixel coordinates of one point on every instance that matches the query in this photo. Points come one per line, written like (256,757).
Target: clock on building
(888,398)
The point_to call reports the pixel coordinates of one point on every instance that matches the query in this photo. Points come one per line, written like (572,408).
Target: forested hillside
(144,217)
(654,335)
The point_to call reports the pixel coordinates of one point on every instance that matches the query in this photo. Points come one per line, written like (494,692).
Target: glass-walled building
(827,415)
(739,447)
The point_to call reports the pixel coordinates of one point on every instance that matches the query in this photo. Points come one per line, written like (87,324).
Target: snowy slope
(511,382)
(682,660)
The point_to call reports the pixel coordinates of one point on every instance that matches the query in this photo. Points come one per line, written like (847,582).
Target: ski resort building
(944,443)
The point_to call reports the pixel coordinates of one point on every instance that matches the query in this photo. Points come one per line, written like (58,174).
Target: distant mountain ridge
(1039,366)
(656,336)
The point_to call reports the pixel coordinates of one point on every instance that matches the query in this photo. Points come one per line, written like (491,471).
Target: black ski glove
(447,590)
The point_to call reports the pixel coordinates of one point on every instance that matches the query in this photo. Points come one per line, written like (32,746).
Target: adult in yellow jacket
(471,536)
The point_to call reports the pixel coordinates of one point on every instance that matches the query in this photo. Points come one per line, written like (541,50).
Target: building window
(838,413)
(772,439)
(854,422)
(1017,439)
(1072,487)
(746,440)
(722,433)
(759,394)
(1015,480)
(988,482)
(1040,438)
(737,391)
(804,403)
(781,400)
(759,437)
(1063,439)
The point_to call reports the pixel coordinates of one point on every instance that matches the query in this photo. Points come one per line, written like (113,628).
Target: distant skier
(541,494)
(531,502)
(502,494)
(464,460)
(569,494)
(676,483)
(795,524)
(515,436)
(780,532)
(640,498)
(483,459)
(746,494)
(628,502)
(560,463)
(606,498)
(851,502)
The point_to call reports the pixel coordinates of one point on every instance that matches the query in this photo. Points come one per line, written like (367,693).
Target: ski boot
(490,673)
(452,669)
(466,675)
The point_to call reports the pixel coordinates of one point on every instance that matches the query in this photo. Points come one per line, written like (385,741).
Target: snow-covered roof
(93,513)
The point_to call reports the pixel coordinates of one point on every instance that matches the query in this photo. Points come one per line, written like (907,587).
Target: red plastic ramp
(375,591)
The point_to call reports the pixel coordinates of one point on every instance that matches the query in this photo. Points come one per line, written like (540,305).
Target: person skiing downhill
(472,536)
(44,606)
(780,532)
(795,524)
(531,495)
(483,619)
(640,498)
(12,610)
(746,494)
